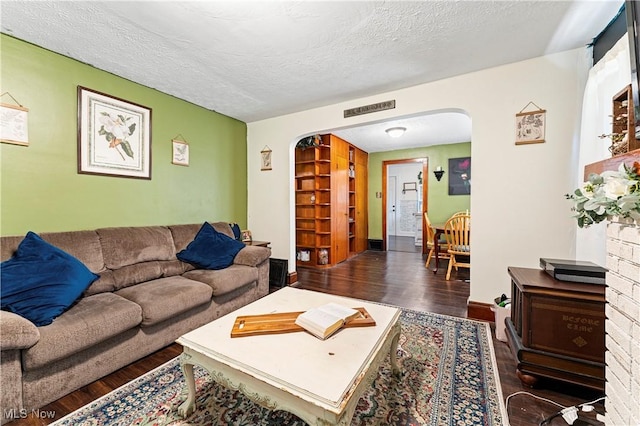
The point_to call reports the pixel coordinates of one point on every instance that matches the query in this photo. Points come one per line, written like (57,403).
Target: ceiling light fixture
(396,132)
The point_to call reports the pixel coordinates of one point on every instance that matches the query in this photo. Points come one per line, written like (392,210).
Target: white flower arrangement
(612,193)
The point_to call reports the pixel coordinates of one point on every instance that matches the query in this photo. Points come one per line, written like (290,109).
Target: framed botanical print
(114,136)
(265,159)
(180,153)
(530,127)
(14,127)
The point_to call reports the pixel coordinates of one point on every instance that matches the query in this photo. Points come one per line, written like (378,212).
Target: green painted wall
(40,189)
(440,204)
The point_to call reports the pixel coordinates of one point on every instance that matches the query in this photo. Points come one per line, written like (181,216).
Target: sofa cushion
(16,332)
(130,245)
(223,281)
(252,255)
(41,281)
(223,228)
(83,245)
(103,284)
(136,274)
(211,249)
(165,298)
(92,320)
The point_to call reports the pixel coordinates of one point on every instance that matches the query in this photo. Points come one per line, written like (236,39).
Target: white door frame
(425,181)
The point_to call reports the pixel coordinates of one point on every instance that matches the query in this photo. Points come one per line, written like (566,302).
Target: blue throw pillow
(210,249)
(40,281)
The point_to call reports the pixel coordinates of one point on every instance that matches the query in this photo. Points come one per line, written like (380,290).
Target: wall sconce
(438,172)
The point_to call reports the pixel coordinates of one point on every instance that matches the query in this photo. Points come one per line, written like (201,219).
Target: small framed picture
(180,153)
(246,236)
(265,157)
(530,127)
(13,124)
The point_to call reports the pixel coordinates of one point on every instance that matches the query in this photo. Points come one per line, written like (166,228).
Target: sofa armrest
(252,255)
(17,332)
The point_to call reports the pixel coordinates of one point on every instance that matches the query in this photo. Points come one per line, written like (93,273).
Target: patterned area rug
(449,377)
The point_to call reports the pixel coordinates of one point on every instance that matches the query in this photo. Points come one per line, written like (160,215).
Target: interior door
(391,206)
(393,225)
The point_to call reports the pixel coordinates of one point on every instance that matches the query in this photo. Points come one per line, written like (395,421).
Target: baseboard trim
(480,311)
(292,277)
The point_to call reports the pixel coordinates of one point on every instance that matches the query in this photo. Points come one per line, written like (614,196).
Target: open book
(325,320)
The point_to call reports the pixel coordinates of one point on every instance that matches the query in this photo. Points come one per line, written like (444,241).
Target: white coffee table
(319,381)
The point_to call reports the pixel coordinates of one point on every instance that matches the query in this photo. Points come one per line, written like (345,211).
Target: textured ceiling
(256,60)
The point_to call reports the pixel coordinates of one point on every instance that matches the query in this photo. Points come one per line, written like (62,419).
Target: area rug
(449,377)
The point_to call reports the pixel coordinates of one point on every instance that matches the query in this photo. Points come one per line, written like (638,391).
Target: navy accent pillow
(41,281)
(210,249)
(236,230)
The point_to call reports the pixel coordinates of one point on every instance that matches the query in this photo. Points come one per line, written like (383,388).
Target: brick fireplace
(623,325)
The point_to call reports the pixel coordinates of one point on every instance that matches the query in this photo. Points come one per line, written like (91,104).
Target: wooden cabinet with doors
(556,329)
(362,200)
(330,202)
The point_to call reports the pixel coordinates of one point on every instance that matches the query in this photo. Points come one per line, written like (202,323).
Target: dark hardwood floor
(395,278)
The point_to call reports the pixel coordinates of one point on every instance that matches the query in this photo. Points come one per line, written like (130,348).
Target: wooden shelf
(623,123)
(609,164)
(324,174)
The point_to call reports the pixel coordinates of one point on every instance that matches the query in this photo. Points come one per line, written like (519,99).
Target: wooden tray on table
(284,322)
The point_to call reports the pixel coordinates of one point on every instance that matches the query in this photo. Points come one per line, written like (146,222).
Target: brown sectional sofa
(144,300)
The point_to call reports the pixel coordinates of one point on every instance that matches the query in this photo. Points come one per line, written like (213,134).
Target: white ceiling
(256,60)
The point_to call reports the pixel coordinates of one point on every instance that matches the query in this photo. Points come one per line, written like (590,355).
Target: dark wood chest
(556,329)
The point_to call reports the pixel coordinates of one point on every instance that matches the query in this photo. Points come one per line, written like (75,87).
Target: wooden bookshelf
(331,201)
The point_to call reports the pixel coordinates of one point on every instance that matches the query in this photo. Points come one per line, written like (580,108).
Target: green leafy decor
(612,193)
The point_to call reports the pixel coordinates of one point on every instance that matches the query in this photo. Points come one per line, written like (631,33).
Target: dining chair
(457,231)
(430,234)
(460,212)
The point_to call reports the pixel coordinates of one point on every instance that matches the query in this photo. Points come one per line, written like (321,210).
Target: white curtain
(610,75)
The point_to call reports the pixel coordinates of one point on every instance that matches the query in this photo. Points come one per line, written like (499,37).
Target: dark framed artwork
(460,176)
(114,136)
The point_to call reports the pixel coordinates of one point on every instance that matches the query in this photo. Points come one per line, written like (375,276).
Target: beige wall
(520,213)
